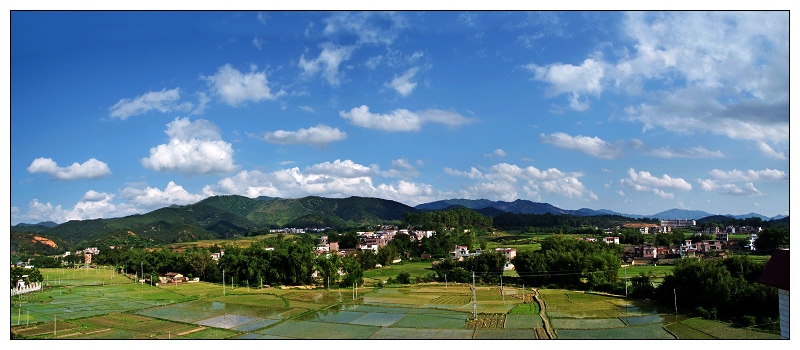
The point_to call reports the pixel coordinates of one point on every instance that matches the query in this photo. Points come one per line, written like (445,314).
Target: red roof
(776,273)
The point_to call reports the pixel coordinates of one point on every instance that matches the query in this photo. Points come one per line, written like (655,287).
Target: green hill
(225,217)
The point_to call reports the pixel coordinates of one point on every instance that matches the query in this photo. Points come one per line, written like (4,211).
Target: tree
(353,271)
(772,238)
(386,254)
(198,261)
(328,266)
(641,286)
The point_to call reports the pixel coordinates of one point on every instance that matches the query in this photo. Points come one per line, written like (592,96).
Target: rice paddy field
(78,307)
(579,315)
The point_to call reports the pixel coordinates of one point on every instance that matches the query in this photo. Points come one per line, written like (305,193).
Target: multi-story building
(679,223)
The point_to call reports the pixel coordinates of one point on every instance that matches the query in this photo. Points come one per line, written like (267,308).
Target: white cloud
(149,198)
(496,153)
(695,152)
(593,146)
(748,190)
(307,109)
(724,73)
(93,205)
(257,42)
(337,179)
(402,119)
(708,184)
(202,101)
(472,174)
(328,61)
(341,169)
(505,180)
(663,194)
(261,18)
(770,152)
(401,168)
(194,148)
(164,101)
(642,180)
(749,175)
(570,79)
(370,27)
(403,84)
(90,169)
(319,135)
(236,88)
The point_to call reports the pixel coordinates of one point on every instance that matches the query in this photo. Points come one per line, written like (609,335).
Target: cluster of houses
(461,251)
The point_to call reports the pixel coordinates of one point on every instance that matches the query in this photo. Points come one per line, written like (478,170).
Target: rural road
(543,315)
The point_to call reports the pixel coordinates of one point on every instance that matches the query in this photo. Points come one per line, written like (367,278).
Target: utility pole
(675,295)
(474,301)
(142,266)
(223,282)
(501,288)
(445,281)
(523,293)
(626,281)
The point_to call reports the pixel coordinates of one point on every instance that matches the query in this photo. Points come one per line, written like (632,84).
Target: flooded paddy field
(85,310)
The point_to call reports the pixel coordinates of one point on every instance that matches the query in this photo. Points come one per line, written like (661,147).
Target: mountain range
(232,215)
(522,206)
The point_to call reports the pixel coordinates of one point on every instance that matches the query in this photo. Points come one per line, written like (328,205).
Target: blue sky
(117,113)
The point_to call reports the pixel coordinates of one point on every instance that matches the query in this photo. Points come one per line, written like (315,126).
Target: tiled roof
(776,273)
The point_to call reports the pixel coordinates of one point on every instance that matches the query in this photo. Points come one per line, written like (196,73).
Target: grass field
(415,269)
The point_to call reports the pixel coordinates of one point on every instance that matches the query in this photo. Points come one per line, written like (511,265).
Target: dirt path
(547,328)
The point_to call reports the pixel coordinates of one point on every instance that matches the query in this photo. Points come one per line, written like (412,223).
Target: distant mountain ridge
(523,206)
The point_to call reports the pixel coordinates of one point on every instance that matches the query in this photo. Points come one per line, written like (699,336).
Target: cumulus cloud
(644,181)
(328,62)
(749,175)
(146,197)
(163,101)
(194,148)
(593,146)
(504,180)
(342,169)
(748,190)
(341,178)
(93,205)
(663,194)
(733,72)
(402,119)
(723,73)
(90,169)
(403,84)
(236,88)
(576,81)
(319,136)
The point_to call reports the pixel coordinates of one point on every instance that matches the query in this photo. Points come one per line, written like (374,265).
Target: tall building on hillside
(679,223)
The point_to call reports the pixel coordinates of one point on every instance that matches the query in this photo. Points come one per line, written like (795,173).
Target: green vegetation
(725,289)
(565,261)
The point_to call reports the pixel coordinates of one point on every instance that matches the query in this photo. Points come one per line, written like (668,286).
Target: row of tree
(570,263)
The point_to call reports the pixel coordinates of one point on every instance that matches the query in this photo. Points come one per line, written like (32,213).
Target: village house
(611,240)
(172,277)
(459,252)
